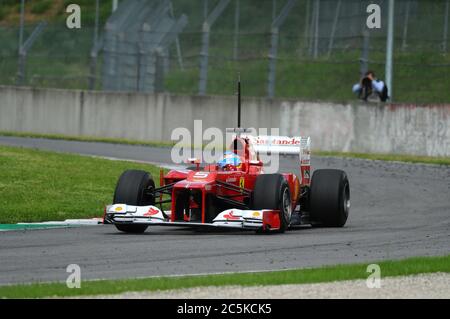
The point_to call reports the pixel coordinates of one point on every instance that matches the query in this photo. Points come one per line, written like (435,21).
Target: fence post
(138,69)
(272,62)
(204,55)
(93,70)
(21,68)
(205,9)
(274,9)
(237,14)
(405,26)
(177,42)
(312,28)
(390,48)
(316,28)
(159,70)
(115,3)
(444,40)
(276,24)
(333,29)
(305,41)
(364,60)
(93,66)
(21,61)
(204,60)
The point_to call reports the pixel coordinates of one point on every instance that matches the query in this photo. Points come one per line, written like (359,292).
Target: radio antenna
(239,101)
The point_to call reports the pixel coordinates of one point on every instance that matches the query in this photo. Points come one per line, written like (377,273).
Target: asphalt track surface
(398,210)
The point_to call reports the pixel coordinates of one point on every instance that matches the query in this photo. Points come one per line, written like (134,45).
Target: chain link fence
(306,49)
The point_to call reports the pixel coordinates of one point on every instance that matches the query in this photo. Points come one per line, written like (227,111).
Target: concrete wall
(407,129)
(392,128)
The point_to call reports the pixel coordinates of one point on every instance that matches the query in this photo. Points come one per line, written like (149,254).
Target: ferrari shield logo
(307,175)
(242,182)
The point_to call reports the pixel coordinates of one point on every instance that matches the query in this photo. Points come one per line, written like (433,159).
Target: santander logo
(151,211)
(277,141)
(230,216)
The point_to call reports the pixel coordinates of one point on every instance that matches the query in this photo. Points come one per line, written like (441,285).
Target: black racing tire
(130,190)
(329,198)
(272,192)
(211,208)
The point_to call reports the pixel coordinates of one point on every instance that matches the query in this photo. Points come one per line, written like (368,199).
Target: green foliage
(3,12)
(40,7)
(60,57)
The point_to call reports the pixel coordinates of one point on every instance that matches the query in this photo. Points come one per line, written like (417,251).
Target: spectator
(368,85)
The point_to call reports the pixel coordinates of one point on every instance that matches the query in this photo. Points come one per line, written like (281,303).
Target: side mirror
(256,163)
(195,161)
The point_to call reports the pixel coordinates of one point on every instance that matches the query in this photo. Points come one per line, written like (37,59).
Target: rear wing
(276,144)
(280,144)
(297,145)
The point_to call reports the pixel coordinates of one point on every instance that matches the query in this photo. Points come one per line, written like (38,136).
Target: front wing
(230,218)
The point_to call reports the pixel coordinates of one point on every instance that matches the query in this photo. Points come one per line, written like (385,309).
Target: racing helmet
(230,159)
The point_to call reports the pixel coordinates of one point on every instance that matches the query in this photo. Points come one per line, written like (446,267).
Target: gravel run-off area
(422,286)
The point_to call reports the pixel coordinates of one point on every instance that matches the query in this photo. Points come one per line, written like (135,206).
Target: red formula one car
(235,193)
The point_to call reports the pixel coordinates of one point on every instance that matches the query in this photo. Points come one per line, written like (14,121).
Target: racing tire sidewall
(271,191)
(130,190)
(329,198)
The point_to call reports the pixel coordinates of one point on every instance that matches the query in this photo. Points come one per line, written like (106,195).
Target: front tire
(329,198)
(272,192)
(131,190)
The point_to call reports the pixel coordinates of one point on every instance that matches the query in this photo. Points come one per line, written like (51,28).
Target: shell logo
(256,214)
(118,209)
(151,211)
(230,216)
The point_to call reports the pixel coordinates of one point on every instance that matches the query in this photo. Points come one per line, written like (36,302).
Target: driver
(230,162)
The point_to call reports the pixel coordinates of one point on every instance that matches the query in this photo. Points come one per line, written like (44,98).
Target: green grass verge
(411,266)
(382,157)
(388,157)
(87,139)
(42,186)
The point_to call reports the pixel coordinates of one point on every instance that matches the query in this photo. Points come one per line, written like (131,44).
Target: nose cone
(202,177)
(197,179)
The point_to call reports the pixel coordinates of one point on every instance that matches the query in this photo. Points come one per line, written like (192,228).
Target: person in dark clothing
(369,85)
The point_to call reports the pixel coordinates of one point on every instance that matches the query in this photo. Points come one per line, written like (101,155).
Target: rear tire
(329,198)
(130,190)
(272,192)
